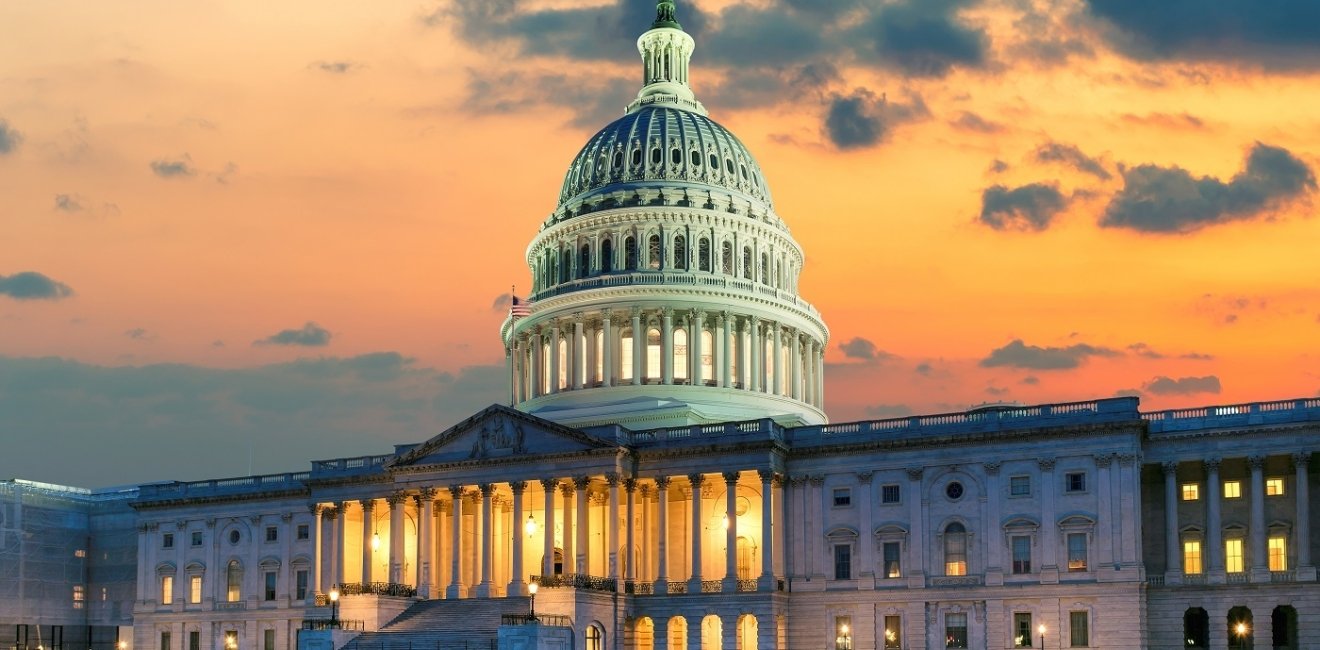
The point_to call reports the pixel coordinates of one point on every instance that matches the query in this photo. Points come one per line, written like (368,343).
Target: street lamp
(530,526)
(123,645)
(531,593)
(334,608)
(1041,629)
(844,642)
(1242,630)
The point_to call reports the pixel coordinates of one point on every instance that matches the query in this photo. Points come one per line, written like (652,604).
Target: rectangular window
(1192,556)
(81,552)
(231,639)
(1074,482)
(1191,492)
(1021,554)
(890,493)
(1022,629)
(893,567)
(197,538)
(1233,562)
(842,562)
(304,531)
(1278,553)
(270,585)
(300,579)
(1079,629)
(1232,489)
(1273,487)
(272,533)
(166,589)
(843,632)
(1077,552)
(955,630)
(1019,486)
(195,589)
(194,640)
(79,595)
(842,497)
(893,633)
(269,640)
(167,540)
(164,641)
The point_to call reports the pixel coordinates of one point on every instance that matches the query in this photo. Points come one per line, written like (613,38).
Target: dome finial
(664,15)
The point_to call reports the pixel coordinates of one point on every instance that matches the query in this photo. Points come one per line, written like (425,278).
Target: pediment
(500,432)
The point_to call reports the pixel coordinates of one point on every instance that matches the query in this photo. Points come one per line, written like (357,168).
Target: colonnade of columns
(664,346)
(482,541)
(1256,566)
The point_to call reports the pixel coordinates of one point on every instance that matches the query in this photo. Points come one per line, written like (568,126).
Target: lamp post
(531,595)
(1041,629)
(844,642)
(334,608)
(1242,630)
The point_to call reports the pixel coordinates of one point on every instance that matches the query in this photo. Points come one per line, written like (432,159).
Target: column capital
(667,313)
(662,482)
(991,467)
(914,473)
(635,312)
(766,475)
(730,477)
(1104,460)
(1127,459)
(517,487)
(566,489)
(1169,467)
(696,479)
(581,482)
(368,504)
(314,508)
(1212,464)
(487,489)
(606,313)
(630,485)
(456,491)
(864,478)
(646,490)
(1046,464)
(612,479)
(331,512)
(818,480)
(1301,459)
(427,493)
(1256,462)
(578,317)
(393,499)
(549,483)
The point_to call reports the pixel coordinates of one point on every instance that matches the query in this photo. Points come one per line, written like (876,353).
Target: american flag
(520,307)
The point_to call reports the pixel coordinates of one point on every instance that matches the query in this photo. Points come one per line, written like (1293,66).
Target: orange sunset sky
(237,236)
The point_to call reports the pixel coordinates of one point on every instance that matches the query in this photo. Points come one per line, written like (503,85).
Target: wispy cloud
(309,335)
(180,167)
(1031,207)
(1017,354)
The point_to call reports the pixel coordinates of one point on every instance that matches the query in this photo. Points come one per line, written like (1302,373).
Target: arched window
(564,360)
(747,262)
(653,253)
(618,160)
(695,158)
(606,256)
(595,637)
(743,168)
(630,253)
(680,355)
(566,266)
(1196,628)
(552,269)
(676,156)
(584,261)
(703,254)
(680,252)
(726,258)
(707,356)
(656,156)
(626,354)
(597,373)
(636,157)
(728,165)
(234,582)
(1240,628)
(653,353)
(955,550)
(765,268)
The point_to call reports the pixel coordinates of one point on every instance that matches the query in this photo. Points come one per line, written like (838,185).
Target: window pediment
(1021,524)
(842,534)
(165,569)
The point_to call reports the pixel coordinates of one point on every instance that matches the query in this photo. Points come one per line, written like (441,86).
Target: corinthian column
(425,535)
(662,535)
(484,547)
(548,558)
(694,583)
(397,502)
(607,348)
(516,583)
(731,532)
(638,346)
(456,543)
(667,345)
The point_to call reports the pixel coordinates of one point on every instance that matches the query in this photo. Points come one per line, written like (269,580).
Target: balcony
(377,589)
(577,581)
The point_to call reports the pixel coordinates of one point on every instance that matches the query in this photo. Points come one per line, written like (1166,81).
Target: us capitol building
(665,478)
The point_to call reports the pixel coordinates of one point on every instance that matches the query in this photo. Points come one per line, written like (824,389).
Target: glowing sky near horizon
(238,236)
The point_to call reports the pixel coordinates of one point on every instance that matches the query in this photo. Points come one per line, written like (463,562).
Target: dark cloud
(969,121)
(595,102)
(222,177)
(1183,385)
(180,167)
(310,335)
(996,391)
(924,369)
(1031,207)
(9,138)
(68,203)
(923,38)
(1276,34)
(335,67)
(1128,392)
(1070,155)
(502,302)
(30,285)
(1143,350)
(861,120)
(1031,357)
(860,348)
(998,167)
(1170,200)
(1031,380)
(885,411)
(204,422)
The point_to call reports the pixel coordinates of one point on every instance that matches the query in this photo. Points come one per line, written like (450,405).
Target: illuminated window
(595,637)
(166,589)
(893,633)
(1077,552)
(893,562)
(1232,489)
(1191,492)
(1278,553)
(1021,554)
(1233,562)
(680,355)
(626,355)
(955,630)
(1021,629)
(79,595)
(955,550)
(1273,487)
(234,582)
(80,553)
(1192,556)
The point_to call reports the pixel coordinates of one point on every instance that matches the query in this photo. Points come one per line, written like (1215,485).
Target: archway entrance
(1240,629)
(1196,628)
(747,630)
(712,632)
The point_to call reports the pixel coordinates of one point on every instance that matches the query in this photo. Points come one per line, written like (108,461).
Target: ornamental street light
(334,608)
(1241,629)
(531,594)
(1041,629)
(844,640)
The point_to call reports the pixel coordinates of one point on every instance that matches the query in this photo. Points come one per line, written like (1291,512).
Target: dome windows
(714,162)
(584,258)
(680,252)
(726,258)
(607,250)
(676,156)
(618,161)
(630,253)
(747,263)
(728,165)
(653,253)
(636,157)
(695,158)
(656,156)
(743,168)
(703,254)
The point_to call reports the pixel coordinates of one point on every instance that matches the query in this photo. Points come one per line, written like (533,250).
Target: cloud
(203,422)
(9,138)
(1031,207)
(860,120)
(1166,200)
(860,348)
(595,101)
(998,167)
(335,67)
(140,334)
(1183,385)
(310,335)
(923,369)
(1128,392)
(1020,355)
(30,285)
(1279,34)
(68,203)
(924,38)
(180,167)
(969,121)
(222,177)
(885,411)
(1070,155)
(1185,121)
(502,302)
(1031,380)
(1147,352)
(996,391)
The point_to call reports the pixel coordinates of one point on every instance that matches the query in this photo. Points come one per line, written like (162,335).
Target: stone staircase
(464,624)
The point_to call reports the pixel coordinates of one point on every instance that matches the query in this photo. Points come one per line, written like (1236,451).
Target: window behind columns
(607,255)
